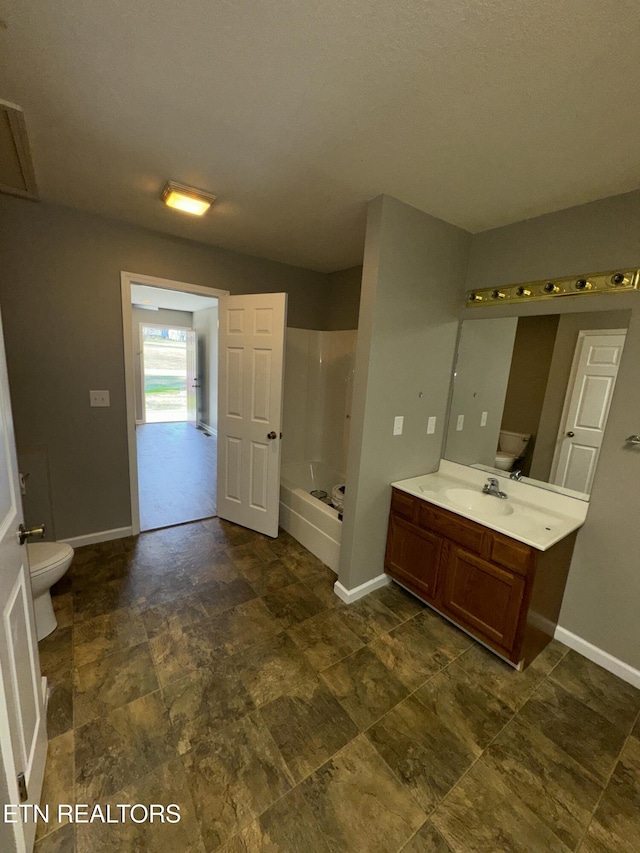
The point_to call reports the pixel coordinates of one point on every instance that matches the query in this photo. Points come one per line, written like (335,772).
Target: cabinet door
(413,557)
(483,598)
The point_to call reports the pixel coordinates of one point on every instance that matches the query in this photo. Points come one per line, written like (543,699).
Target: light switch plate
(398,424)
(460,423)
(483,419)
(431,425)
(99,398)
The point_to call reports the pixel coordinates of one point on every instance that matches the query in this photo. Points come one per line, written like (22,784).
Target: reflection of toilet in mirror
(511,447)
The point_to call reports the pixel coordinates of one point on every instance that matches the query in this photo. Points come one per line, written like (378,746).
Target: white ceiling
(296,112)
(176,300)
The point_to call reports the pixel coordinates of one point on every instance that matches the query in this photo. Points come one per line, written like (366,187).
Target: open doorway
(172,337)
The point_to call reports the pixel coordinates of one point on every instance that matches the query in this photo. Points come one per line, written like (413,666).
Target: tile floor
(176,474)
(213,668)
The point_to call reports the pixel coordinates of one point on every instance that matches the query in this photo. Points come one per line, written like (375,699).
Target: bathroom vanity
(497,568)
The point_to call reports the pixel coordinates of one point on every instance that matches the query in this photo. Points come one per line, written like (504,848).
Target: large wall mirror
(532,394)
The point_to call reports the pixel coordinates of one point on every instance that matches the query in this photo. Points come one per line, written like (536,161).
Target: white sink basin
(478,502)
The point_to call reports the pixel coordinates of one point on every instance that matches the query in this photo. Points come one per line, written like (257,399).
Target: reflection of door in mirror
(586,408)
(511,378)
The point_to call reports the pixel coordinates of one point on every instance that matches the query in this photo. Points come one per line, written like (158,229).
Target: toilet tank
(514,443)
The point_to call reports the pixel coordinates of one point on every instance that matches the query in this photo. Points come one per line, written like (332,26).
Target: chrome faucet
(491,487)
(515,475)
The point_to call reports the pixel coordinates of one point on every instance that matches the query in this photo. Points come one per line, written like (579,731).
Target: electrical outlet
(460,423)
(483,419)
(398,425)
(431,425)
(99,398)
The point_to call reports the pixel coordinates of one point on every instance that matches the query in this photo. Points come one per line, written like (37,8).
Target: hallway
(176,474)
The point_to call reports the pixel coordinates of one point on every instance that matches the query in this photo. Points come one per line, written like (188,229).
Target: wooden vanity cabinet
(505,593)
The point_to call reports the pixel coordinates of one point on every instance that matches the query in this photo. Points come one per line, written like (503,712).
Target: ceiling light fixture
(187,199)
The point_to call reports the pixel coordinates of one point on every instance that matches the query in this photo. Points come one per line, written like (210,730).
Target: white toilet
(48,562)
(511,446)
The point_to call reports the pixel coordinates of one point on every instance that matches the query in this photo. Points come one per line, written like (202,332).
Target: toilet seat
(500,454)
(47,555)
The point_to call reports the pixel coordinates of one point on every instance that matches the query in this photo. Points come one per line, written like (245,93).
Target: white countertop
(535,516)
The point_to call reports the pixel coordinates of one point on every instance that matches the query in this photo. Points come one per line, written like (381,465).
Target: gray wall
(161,316)
(602,600)
(412,285)
(480,385)
(343,299)
(559,374)
(205,322)
(60,297)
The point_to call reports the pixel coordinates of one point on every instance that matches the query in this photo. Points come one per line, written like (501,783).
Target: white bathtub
(313,523)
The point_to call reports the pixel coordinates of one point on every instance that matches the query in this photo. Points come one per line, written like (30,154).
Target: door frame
(582,334)
(126,280)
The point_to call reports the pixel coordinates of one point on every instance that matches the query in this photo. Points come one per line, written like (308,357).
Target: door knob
(24,533)
(271,435)
(570,434)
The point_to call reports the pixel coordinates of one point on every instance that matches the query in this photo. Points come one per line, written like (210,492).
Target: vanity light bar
(614,281)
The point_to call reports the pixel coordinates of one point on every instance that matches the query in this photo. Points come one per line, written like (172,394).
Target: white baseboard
(604,659)
(139,422)
(99,536)
(208,429)
(351,595)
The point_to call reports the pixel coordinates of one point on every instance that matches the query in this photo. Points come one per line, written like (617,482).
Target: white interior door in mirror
(593,379)
(23,736)
(250,379)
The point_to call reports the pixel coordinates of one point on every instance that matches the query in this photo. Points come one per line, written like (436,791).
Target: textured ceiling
(296,112)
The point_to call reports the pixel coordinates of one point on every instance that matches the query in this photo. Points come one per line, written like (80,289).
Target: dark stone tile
(265,577)
(616,824)
(98,600)
(482,814)
(359,804)
(112,681)
(56,655)
(268,669)
(303,564)
(122,747)
(427,840)
(325,639)
(409,654)
(58,785)
(60,708)
(63,608)
(364,686)
(399,601)
(178,614)
(181,651)
(234,778)
(308,725)
(321,585)
(103,635)
(582,733)
(203,702)
(505,682)
(545,778)
(431,633)
(163,785)
(369,618)
(469,710)
(427,756)
(287,827)
(218,596)
(602,691)
(61,840)
(293,604)
(243,626)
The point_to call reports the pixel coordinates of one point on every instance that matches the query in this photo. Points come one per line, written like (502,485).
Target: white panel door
(192,377)
(593,378)
(250,375)
(23,736)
